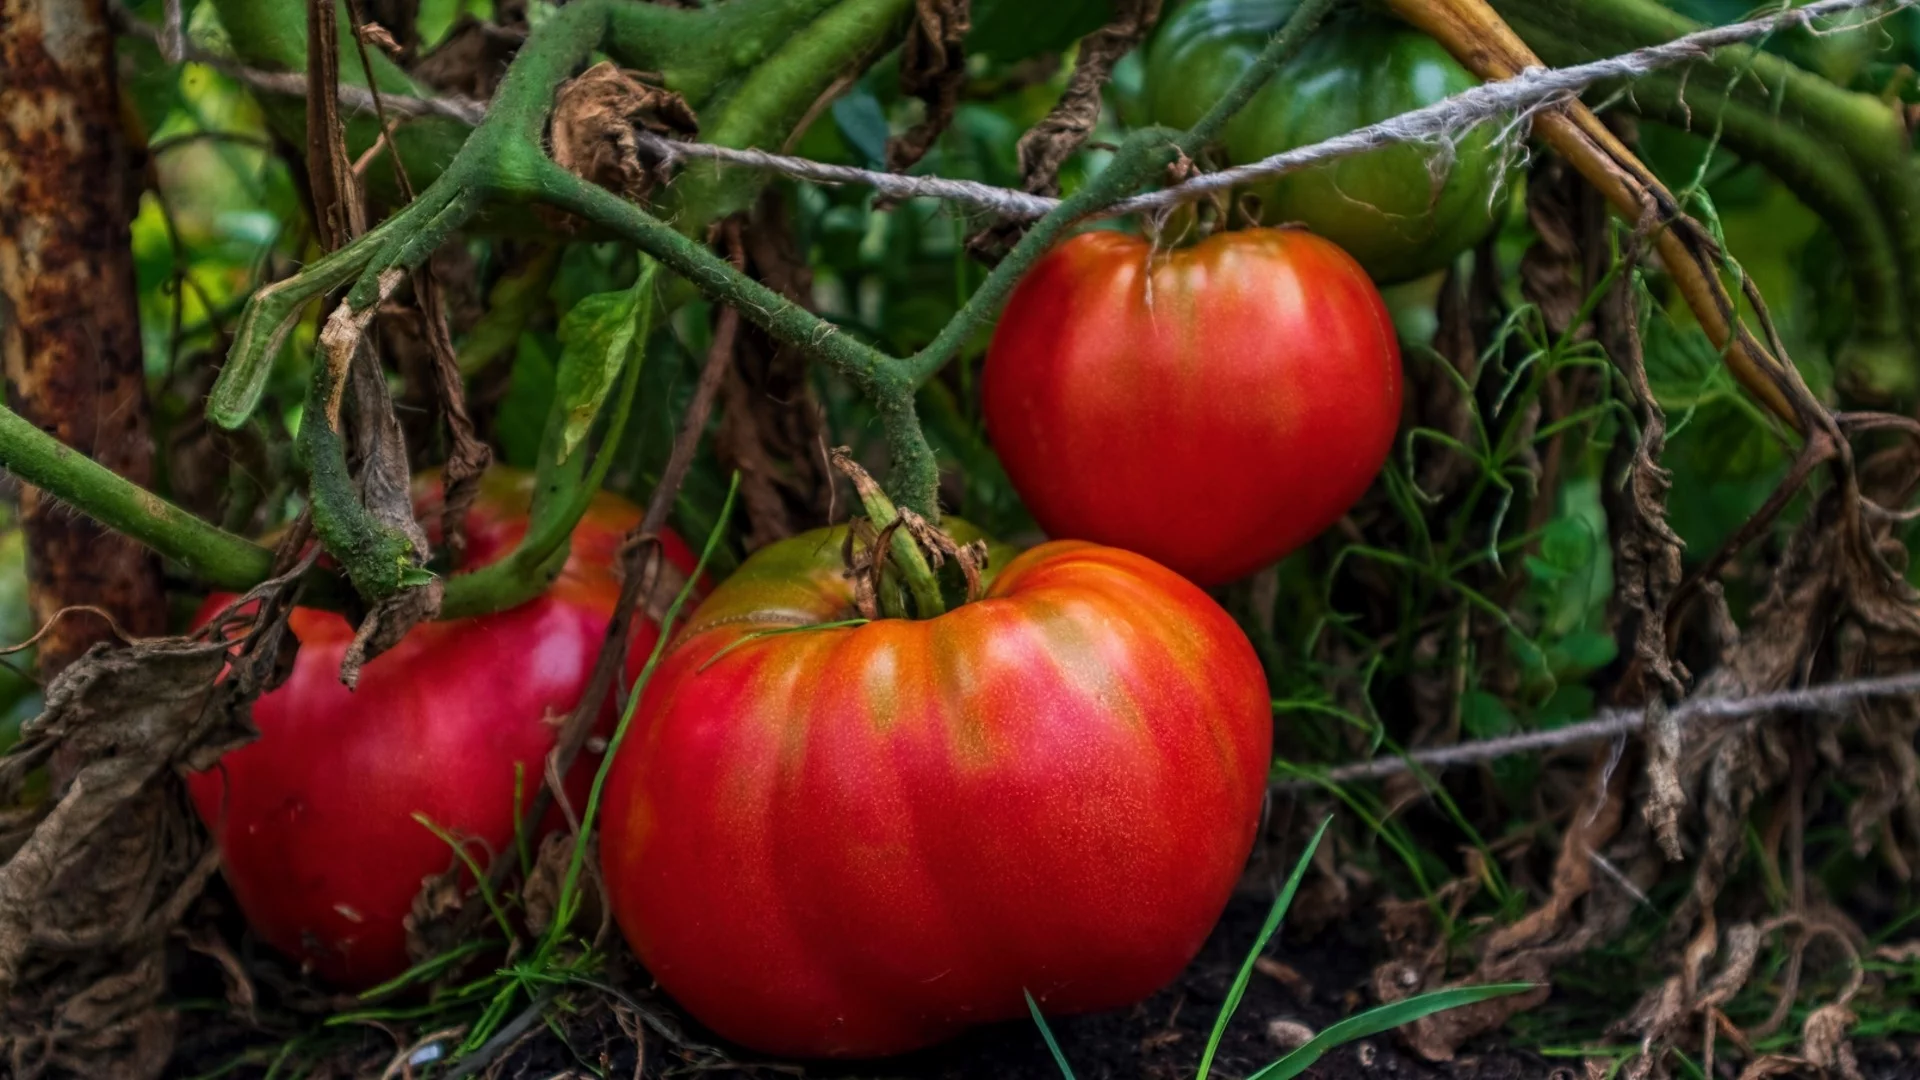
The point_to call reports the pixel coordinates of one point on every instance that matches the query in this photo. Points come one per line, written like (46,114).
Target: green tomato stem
(211,554)
(908,560)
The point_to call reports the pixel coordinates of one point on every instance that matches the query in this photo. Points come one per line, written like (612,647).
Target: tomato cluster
(830,835)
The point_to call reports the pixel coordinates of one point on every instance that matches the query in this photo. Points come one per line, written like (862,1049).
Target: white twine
(1519,98)
(1532,90)
(174,47)
(1529,92)
(1830,698)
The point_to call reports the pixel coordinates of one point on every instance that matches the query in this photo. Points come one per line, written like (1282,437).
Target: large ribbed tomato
(1211,407)
(315,819)
(860,840)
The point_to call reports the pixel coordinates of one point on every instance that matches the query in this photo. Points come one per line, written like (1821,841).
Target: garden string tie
(1831,699)
(1530,91)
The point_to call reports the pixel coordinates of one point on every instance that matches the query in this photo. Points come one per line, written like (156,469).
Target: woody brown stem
(71,319)
(1476,35)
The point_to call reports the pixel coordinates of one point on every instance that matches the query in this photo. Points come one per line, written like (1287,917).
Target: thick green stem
(215,556)
(1141,159)
(915,474)
(776,93)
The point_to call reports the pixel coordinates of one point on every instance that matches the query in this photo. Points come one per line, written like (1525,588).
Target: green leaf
(1046,1033)
(863,123)
(1566,543)
(1485,716)
(1384,1018)
(1010,30)
(510,304)
(1569,702)
(523,412)
(596,342)
(1583,651)
(1272,926)
(412,577)
(1545,572)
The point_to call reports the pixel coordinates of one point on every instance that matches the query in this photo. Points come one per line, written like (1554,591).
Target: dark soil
(1161,1039)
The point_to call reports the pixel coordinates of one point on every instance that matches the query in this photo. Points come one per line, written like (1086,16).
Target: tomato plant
(1404,210)
(828,839)
(316,819)
(1211,408)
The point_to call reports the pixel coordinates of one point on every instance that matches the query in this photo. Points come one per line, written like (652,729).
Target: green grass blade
(1046,1033)
(1384,1018)
(1267,931)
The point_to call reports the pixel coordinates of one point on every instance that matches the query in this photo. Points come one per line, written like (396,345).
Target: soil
(1160,1039)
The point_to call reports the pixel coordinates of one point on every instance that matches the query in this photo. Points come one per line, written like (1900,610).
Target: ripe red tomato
(856,841)
(1212,407)
(315,818)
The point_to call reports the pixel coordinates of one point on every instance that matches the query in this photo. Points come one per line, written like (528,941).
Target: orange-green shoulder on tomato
(803,579)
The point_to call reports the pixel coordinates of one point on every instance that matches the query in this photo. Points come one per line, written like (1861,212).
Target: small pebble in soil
(1289,1034)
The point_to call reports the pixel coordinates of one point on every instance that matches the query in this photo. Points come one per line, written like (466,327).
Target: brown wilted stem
(1476,35)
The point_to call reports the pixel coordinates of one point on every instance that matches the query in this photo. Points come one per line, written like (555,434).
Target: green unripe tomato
(1403,211)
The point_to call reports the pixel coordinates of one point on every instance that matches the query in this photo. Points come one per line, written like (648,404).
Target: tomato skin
(1212,407)
(858,841)
(315,818)
(1358,68)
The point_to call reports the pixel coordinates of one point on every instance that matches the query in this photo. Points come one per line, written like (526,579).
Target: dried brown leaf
(1771,1065)
(98,878)
(1528,950)
(594,119)
(433,925)
(542,889)
(473,56)
(385,487)
(381,38)
(1823,1039)
(468,457)
(1047,145)
(933,68)
(772,427)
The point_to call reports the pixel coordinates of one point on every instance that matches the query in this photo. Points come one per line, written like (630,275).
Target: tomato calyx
(1218,210)
(894,556)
